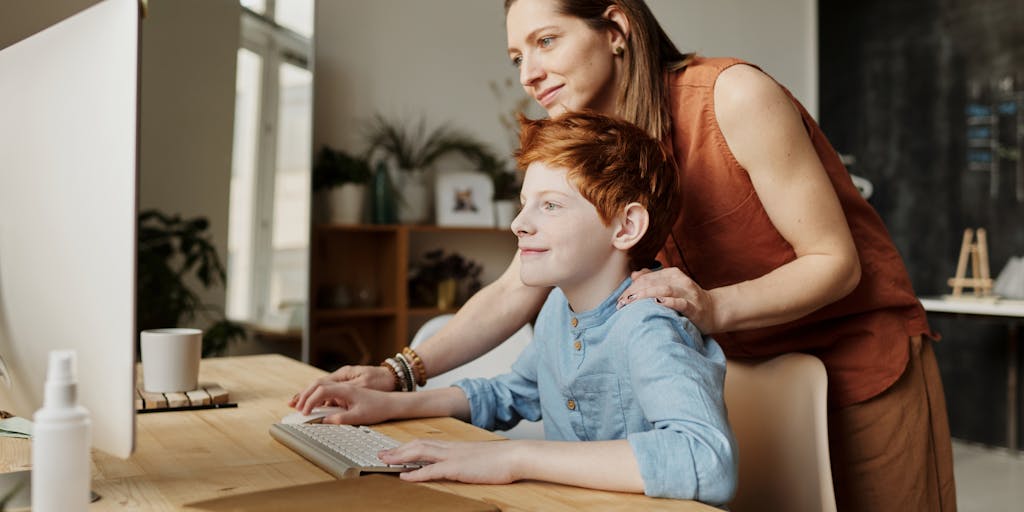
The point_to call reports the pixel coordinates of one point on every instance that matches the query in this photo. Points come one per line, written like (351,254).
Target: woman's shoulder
(704,71)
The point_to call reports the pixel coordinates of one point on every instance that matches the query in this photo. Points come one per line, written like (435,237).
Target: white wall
(189,53)
(406,57)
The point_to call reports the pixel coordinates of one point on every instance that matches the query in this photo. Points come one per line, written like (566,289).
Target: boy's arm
(678,380)
(499,403)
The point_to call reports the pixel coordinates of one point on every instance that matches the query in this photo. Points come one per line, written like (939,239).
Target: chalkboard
(927,95)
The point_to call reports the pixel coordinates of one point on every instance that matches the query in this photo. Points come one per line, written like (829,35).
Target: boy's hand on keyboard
(485,462)
(362,406)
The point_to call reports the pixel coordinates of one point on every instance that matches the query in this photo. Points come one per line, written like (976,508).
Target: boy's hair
(612,163)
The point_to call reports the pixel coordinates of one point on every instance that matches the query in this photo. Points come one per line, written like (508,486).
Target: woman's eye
(546,41)
(517,60)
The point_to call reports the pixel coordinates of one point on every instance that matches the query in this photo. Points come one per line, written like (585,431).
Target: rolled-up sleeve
(678,380)
(499,403)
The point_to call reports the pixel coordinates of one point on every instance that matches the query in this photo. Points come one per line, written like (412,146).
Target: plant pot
(446,291)
(345,203)
(414,206)
(504,212)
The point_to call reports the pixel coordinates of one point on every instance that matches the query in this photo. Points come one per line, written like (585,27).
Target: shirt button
(571,404)
(578,345)
(575,322)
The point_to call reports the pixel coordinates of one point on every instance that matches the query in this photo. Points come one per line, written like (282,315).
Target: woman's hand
(371,377)
(482,462)
(362,406)
(673,288)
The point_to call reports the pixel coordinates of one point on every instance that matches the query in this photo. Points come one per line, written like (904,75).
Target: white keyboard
(342,450)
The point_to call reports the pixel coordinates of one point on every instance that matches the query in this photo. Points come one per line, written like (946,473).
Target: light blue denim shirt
(642,373)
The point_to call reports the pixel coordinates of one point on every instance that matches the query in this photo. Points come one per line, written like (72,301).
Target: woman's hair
(612,163)
(649,56)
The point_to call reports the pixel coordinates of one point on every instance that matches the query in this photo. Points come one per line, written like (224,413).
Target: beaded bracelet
(407,368)
(404,381)
(419,370)
(394,373)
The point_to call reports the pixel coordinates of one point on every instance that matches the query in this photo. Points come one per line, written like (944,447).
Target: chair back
(777,409)
(496,362)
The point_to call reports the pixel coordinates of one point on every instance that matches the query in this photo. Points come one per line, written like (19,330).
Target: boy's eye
(550,206)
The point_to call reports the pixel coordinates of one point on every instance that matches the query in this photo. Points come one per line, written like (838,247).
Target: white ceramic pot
(504,212)
(414,203)
(345,203)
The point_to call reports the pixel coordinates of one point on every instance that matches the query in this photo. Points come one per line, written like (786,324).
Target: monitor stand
(16,491)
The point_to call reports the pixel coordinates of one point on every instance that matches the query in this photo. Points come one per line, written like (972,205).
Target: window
(270,178)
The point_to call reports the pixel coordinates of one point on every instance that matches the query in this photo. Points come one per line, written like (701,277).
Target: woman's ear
(618,37)
(633,222)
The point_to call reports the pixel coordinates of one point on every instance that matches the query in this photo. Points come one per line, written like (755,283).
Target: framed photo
(464,199)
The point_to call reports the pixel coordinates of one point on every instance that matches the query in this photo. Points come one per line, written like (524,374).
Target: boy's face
(562,240)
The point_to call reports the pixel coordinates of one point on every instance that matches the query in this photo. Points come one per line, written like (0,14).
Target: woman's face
(563,63)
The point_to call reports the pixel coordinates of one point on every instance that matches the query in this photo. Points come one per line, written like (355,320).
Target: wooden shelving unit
(358,284)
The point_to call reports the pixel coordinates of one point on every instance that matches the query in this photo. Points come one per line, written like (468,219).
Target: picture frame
(464,199)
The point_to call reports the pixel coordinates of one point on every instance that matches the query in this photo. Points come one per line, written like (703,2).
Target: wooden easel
(977,253)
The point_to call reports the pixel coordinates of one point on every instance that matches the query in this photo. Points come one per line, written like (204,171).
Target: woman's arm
(488,318)
(765,133)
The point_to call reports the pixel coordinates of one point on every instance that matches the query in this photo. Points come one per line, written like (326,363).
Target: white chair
(777,409)
(496,362)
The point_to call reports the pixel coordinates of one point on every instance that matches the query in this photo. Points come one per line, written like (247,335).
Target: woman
(773,250)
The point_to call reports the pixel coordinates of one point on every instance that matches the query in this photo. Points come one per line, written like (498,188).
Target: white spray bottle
(61,471)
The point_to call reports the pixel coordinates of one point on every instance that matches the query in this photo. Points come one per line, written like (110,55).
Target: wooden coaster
(207,394)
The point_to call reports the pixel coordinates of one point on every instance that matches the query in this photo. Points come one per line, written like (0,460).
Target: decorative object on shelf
(413,151)
(383,196)
(442,280)
(172,252)
(974,253)
(1010,283)
(340,181)
(464,199)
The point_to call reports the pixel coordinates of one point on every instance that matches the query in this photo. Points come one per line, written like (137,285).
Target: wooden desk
(1012,312)
(184,457)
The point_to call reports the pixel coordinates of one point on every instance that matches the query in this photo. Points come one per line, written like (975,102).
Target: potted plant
(340,180)
(414,149)
(443,280)
(507,183)
(172,252)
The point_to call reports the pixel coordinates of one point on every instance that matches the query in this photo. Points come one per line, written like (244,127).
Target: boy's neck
(591,291)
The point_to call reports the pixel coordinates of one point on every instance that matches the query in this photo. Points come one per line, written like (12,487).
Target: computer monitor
(68,194)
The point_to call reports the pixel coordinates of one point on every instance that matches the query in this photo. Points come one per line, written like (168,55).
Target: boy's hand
(482,462)
(362,406)
(672,288)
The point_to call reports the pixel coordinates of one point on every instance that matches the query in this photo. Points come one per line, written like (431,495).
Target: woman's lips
(547,97)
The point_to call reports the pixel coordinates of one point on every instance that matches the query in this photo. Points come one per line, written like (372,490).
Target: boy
(639,386)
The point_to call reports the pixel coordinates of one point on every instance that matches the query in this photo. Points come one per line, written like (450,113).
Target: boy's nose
(520,226)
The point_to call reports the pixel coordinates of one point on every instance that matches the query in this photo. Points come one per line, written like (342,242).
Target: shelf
(430,312)
(339,313)
(412,228)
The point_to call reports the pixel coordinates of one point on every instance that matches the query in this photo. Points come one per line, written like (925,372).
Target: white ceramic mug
(170,359)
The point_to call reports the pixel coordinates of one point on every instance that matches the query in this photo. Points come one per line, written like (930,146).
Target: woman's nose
(530,72)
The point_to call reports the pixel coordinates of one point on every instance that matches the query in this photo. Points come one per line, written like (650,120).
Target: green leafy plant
(437,266)
(171,251)
(334,168)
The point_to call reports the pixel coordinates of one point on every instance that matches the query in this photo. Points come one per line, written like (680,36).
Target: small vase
(446,290)
(383,196)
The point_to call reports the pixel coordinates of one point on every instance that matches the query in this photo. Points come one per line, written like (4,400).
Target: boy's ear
(633,222)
